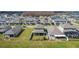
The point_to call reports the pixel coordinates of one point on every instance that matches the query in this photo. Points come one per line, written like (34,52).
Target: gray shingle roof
(39,26)
(67,25)
(29,19)
(9,32)
(39,31)
(55,31)
(15,31)
(4,28)
(2,20)
(60,19)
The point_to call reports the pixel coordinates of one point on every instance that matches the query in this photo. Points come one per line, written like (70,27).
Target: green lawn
(23,42)
(39,38)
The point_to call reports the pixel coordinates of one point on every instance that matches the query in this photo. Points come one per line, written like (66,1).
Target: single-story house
(59,21)
(45,21)
(36,20)
(69,30)
(55,33)
(13,32)
(4,28)
(40,30)
(66,27)
(2,21)
(29,20)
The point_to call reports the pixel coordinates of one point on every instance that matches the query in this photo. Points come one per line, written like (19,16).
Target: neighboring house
(17,21)
(45,21)
(71,19)
(2,21)
(9,20)
(4,28)
(13,19)
(13,32)
(29,20)
(21,19)
(69,30)
(37,20)
(55,33)
(39,30)
(59,21)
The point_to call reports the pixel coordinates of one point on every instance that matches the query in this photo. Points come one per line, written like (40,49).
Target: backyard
(23,42)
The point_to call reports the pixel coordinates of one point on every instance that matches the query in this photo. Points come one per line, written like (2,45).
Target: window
(12,35)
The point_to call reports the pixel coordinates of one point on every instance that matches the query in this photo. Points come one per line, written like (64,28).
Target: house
(22,20)
(13,32)
(39,26)
(39,30)
(45,20)
(59,21)
(37,20)
(66,27)
(13,19)
(4,28)
(9,20)
(54,33)
(69,30)
(29,20)
(2,21)
(17,21)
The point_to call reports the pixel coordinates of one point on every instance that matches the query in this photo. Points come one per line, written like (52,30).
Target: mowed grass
(39,38)
(23,42)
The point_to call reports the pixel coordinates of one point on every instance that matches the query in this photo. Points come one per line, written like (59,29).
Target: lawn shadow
(20,33)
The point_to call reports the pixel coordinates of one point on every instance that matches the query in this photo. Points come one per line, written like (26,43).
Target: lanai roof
(39,31)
